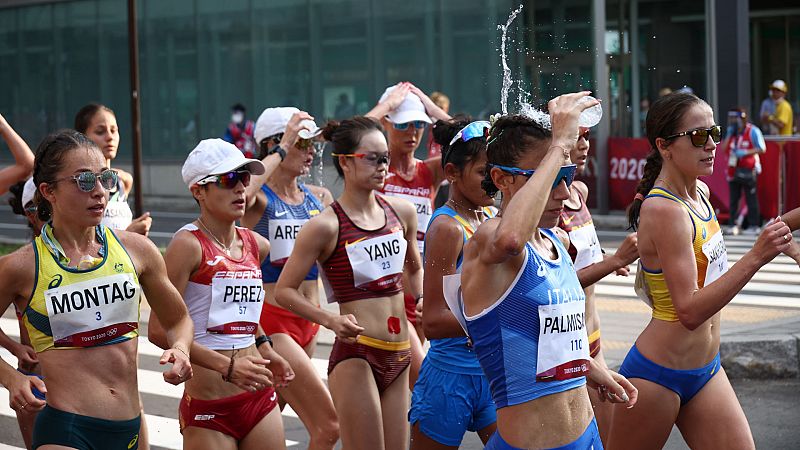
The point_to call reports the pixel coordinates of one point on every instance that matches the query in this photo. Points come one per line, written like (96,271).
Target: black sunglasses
(699,136)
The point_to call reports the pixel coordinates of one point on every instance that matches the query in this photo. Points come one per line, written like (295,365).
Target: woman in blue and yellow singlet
(684,276)
(451,394)
(78,286)
(523,306)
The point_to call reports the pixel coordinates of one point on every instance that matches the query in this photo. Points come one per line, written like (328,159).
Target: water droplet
(678,71)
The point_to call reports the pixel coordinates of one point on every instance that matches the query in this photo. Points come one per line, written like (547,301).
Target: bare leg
(394,408)
(358,405)
(267,435)
(648,424)
(714,418)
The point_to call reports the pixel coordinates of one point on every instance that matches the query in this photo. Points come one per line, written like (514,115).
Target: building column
(601,91)
(732,26)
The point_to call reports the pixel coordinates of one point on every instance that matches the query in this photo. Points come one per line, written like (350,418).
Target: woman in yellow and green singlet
(684,276)
(78,286)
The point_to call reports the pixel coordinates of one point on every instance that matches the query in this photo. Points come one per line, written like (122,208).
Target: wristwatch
(262,339)
(279,150)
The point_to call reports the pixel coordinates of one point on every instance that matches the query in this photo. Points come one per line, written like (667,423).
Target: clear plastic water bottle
(590,117)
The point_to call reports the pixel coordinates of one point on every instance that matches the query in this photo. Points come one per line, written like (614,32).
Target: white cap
(779,85)
(409,110)
(273,121)
(28,191)
(215,157)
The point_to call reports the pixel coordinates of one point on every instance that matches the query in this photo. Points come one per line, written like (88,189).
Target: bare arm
(625,254)
(312,244)
(432,109)
(671,233)
(166,303)
(413,262)
(444,241)
(391,102)
(23,157)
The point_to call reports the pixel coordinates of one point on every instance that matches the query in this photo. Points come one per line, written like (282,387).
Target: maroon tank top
(365,263)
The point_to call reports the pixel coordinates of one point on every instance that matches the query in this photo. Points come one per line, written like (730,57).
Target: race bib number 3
(563,344)
(717,256)
(377,260)
(235,305)
(93,312)
(282,234)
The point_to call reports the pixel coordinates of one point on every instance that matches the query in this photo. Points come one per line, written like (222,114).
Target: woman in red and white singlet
(405,112)
(365,244)
(230,402)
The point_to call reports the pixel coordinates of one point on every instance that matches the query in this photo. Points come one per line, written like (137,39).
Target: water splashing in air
(507,81)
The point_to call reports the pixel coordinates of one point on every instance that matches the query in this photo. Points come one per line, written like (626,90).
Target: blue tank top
(280,224)
(506,336)
(454,354)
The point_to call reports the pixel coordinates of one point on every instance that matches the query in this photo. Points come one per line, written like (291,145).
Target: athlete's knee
(327,431)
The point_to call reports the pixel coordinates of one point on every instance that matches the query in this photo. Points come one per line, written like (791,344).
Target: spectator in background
(743,144)
(442,101)
(23,157)
(345,108)
(240,131)
(776,116)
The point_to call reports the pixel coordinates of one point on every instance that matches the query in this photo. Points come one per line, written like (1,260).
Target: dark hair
(50,157)
(663,119)
(15,200)
(267,144)
(346,135)
(84,116)
(509,138)
(238,107)
(460,153)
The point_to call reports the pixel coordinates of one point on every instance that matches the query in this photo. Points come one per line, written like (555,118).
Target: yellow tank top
(74,308)
(709,252)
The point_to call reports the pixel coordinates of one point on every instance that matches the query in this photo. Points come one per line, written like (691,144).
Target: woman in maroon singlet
(364,243)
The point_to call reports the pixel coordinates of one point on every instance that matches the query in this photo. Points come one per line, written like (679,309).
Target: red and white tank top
(584,246)
(419,191)
(225,295)
(365,263)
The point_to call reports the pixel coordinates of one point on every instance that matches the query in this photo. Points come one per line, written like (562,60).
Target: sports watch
(279,150)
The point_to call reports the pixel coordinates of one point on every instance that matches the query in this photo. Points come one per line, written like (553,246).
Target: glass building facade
(334,58)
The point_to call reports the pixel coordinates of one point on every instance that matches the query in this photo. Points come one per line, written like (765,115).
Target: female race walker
(684,276)
(452,395)
(278,205)
(230,402)
(591,264)
(99,123)
(364,243)
(523,305)
(78,286)
(405,112)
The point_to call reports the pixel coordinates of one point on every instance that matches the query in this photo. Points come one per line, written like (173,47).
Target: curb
(768,357)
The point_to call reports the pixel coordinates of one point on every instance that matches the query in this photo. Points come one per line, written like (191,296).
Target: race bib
(451,288)
(563,351)
(584,239)
(117,216)
(235,305)
(93,312)
(717,256)
(424,212)
(282,234)
(375,261)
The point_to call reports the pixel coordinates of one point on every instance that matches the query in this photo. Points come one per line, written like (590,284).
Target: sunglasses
(418,124)
(374,159)
(566,173)
(227,180)
(31,209)
(585,135)
(699,136)
(88,180)
(474,130)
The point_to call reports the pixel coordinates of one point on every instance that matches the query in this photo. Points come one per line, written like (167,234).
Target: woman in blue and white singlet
(523,305)
(451,380)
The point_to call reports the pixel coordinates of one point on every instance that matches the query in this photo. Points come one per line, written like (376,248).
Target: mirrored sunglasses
(566,173)
(418,124)
(474,130)
(227,180)
(87,181)
(373,159)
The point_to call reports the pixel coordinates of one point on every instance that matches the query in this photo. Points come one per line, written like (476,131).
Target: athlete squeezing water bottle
(523,306)
(364,244)
(230,402)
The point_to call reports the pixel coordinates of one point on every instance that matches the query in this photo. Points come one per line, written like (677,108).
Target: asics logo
(273,396)
(541,270)
(216,260)
(133,441)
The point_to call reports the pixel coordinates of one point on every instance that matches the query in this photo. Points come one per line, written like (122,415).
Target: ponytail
(651,170)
